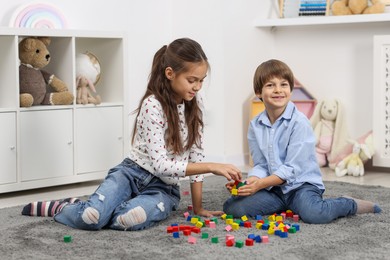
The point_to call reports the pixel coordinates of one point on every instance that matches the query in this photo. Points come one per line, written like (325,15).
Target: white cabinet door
(381,103)
(99,138)
(46,144)
(7,148)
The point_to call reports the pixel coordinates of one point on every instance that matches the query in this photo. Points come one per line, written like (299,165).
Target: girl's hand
(207,213)
(229,186)
(230,171)
(252,186)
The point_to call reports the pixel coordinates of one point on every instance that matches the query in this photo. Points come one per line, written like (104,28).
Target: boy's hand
(251,187)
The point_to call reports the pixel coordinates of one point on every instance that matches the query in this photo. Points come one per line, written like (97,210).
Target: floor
(80,189)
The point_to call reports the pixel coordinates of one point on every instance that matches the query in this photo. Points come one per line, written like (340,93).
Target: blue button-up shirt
(285,148)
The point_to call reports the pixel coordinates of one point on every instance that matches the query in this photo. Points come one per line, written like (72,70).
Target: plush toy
(353,164)
(37,86)
(348,7)
(84,95)
(330,131)
(87,76)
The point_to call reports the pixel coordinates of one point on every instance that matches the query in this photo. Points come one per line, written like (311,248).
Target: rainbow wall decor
(38,15)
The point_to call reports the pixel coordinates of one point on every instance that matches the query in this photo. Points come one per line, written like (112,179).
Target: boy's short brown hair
(270,69)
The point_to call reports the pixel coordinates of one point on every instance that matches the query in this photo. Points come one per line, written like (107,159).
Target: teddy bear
(87,76)
(330,131)
(348,7)
(37,86)
(353,164)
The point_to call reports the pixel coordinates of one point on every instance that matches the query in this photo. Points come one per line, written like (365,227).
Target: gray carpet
(359,237)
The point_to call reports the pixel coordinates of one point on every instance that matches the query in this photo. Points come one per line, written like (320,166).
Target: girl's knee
(90,216)
(132,218)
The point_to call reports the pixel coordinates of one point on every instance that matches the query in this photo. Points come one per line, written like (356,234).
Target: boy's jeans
(306,201)
(126,187)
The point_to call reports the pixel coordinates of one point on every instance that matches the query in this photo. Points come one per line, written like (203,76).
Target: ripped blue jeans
(129,198)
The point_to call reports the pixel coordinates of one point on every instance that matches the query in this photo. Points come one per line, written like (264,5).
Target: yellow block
(235,226)
(199,224)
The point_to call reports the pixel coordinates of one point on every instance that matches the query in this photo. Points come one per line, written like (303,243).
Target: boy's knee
(231,208)
(132,218)
(90,216)
(315,217)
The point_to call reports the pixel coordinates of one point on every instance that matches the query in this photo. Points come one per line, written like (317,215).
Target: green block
(67,239)
(292,230)
(239,243)
(205,235)
(240,184)
(215,220)
(214,240)
(229,216)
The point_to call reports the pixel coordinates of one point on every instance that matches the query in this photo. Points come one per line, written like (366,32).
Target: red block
(249,242)
(247,224)
(195,230)
(230,242)
(169,229)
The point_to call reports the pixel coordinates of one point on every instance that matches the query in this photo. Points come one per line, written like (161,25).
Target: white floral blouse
(150,151)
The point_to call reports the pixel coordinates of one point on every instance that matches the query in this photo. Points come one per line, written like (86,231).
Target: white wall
(331,61)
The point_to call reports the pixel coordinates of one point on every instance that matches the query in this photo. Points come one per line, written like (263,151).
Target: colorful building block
(214,240)
(235,226)
(249,242)
(247,224)
(229,242)
(67,239)
(191,240)
(239,243)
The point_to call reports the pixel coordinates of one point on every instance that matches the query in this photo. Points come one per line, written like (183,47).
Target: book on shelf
(296,8)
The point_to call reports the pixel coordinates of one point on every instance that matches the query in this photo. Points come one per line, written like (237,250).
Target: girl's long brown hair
(176,55)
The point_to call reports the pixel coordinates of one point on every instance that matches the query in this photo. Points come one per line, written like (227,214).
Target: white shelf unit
(322,20)
(45,146)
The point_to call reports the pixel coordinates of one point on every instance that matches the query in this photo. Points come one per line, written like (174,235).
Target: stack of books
(313,7)
(295,8)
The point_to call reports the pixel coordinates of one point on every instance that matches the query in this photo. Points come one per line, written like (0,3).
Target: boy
(286,174)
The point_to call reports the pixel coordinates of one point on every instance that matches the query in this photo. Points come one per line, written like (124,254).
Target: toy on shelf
(87,76)
(37,86)
(351,7)
(330,131)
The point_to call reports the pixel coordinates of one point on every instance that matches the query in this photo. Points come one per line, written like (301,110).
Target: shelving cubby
(43,146)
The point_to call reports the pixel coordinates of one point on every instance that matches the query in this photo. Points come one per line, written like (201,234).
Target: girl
(166,145)
(286,174)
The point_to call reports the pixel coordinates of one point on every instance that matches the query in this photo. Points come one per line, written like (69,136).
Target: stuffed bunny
(330,131)
(353,163)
